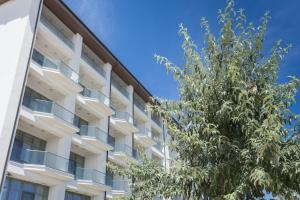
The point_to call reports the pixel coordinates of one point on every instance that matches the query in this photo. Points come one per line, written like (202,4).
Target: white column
(75,61)
(61,146)
(57,192)
(97,162)
(103,123)
(107,68)
(129,109)
(167,152)
(148,151)
(17,27)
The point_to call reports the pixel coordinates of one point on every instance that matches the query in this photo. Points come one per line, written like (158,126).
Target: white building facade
(69,106)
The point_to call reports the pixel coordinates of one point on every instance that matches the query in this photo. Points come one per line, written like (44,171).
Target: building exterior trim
(61,10)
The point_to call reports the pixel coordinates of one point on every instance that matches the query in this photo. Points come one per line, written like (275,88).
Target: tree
(232,128)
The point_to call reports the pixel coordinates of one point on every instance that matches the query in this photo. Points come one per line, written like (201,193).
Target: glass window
(75,196)
(20,190)
(30,94)
(75,161)
(79,121)
(25,141)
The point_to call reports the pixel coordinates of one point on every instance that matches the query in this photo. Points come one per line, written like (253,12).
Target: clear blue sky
(134,30)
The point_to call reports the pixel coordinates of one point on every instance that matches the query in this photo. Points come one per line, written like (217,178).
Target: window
(75,161)
(74,196)
(30,95)
(21,190)
(80,123)
(25,141)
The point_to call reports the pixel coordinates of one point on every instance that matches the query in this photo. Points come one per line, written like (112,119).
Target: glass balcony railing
(90,175)
(141,106)
(156,121)
(94,132)
(96,95)
(158,146)
(120,88)
(93,64)
(45,158)
(144,131)
(45,62)
(121,185)
(123,148)
(57,32)
(123,115)
(50,107)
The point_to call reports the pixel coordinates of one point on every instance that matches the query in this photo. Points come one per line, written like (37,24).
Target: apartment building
(79,108)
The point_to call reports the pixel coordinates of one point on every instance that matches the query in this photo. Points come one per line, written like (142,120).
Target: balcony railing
(144,131)
(91,131)
(156,120)
(125,149)
(158,146)
(45,158)
(90,175)
(121,185)
(141,106)
(95,94)
(45,62)
(123,115)
(57,32)
(120,88)
(50,107)
(93,64)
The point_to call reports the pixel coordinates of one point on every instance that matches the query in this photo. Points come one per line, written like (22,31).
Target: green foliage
(234,134)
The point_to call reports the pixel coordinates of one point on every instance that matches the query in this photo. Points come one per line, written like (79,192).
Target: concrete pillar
(57,192)
(148,151)
(17,31)
(75,61)
(148,122)
(129,108)
(103,123)
(60,146)
(106,89)
(97,162)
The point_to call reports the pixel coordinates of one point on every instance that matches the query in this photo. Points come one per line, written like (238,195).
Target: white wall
(17,27)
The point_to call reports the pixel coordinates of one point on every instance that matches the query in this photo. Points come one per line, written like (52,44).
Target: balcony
(45,164)
(49,116)
(92,139)
(144,137)
(141,107)
(157,149)
(156,122)
(120,92)
(93,64)
(91,179)
(119,188)
(123,122)
(55,35)
(95,102)
(124,153)
(55,74)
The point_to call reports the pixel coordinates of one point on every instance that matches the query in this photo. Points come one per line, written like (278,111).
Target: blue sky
(134,30)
